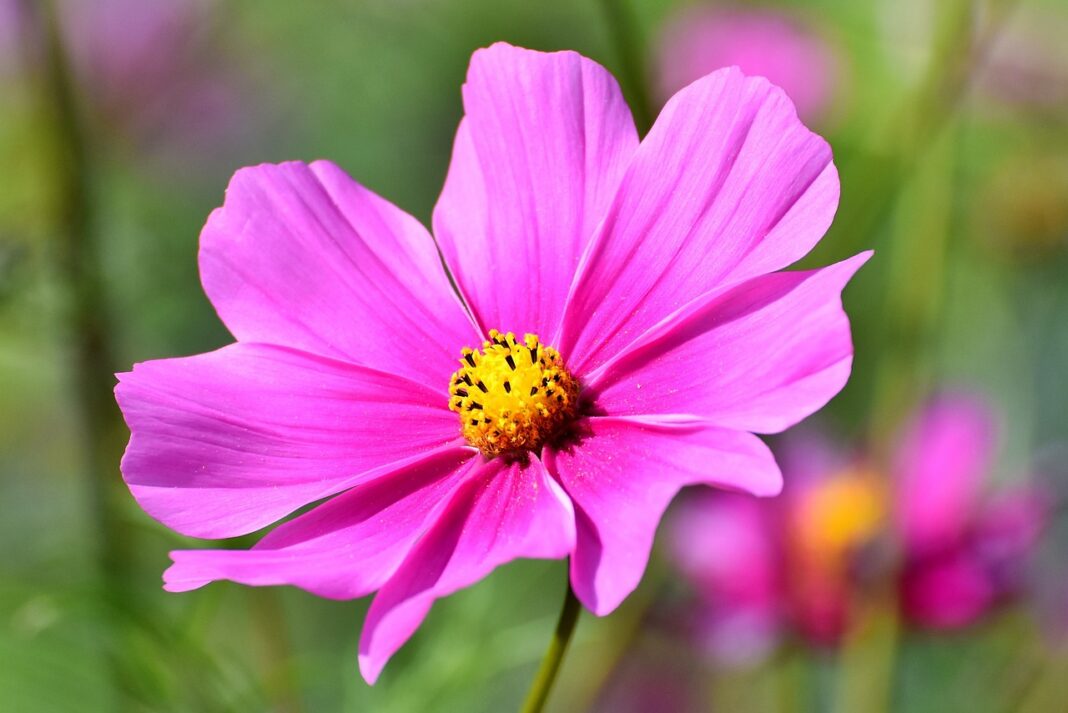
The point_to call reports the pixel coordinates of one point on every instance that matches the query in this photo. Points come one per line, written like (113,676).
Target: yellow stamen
(512,395)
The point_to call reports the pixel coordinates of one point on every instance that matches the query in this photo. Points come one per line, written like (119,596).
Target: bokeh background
(120,124)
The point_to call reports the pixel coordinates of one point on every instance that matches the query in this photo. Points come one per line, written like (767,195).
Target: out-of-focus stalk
(630,49)
(628,623)
(872,181)
(913,295)
(268,616)
(77,264)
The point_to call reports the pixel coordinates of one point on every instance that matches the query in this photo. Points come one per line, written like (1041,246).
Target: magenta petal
(501,512)
(539,155)
(345,548)
(940,469)
(727,186)
(622,476)
(303,256)
(758,357)
(227,442)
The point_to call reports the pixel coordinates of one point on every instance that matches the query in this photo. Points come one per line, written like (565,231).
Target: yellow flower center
(512,395)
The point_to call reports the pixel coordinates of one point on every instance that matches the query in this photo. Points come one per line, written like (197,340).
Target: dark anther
(475,404)
(533,390)
(474,422)
(462,393)
(470,359)
(467,380)
(533,355)
(507,386)
(511,362)
(482,386)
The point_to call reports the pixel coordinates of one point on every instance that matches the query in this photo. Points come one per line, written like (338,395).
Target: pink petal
(758,357)
(303,256)
(727,186)
(623,474)
(537,159)
(501,512)
(940,469)
(227,442)
(345,548)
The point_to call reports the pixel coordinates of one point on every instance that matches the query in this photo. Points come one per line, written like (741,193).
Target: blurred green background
(949,122)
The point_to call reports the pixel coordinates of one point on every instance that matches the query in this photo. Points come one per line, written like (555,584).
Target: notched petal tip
(179,578)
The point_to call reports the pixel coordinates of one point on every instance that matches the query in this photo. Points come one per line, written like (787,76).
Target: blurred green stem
(76,261)
(873,179)
(280,677)
(630,51)
(913,295)
(628,623)
(76,258)
(554,655)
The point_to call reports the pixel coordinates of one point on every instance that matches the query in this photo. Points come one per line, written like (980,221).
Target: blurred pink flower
(963,550)
(642,263)
(150,73)
(1026,66)
(728,546)
(766,43)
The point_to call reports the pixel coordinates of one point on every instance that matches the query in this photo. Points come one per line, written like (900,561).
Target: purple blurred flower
(797,561)
(152,74)
(1026,66)
(728,546)
(765,43)
(963,549)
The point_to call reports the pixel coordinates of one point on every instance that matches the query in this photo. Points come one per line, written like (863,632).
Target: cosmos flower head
(963,551)
(761,42)
(620,329)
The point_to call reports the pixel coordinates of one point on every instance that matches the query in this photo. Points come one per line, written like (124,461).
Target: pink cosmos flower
(763,43)
(659,337)
(963,553)
(797,565)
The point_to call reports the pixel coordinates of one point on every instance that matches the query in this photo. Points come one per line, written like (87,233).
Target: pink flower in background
(728,546)
(763,43)
(151,73)
(962,551)
(631,268)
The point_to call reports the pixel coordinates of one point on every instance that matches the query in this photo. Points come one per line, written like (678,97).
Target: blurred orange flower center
(840,514)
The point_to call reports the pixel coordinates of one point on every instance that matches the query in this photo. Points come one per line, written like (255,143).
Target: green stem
(76,258)
(631,53)
(873,179)
(554,655)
